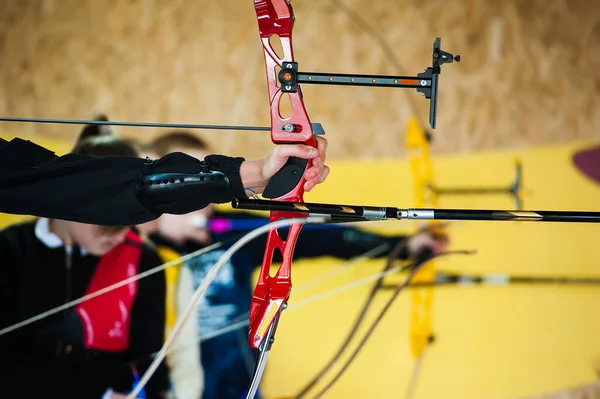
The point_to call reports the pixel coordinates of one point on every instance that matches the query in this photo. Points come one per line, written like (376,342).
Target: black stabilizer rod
(369,213)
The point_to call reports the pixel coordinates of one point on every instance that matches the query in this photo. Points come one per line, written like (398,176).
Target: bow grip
(290,178)
(286,178)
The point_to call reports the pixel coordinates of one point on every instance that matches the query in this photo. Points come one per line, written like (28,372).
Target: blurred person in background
(227,359)
(94,349)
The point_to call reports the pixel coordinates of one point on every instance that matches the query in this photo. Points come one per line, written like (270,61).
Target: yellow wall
(492,342)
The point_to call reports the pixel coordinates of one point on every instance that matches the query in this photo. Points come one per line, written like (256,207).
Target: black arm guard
(181,193)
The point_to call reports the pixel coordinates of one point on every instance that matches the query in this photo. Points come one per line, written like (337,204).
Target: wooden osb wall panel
(529,73)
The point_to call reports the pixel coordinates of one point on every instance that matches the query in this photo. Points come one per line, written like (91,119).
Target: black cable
(395,62)
(421,259)
(399,248)
(415,267)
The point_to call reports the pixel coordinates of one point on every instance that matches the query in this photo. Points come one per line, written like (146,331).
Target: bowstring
(75,302)
(393,254)
(373,252)
(201,291)
(243,320)
(357,323)
(414,269)
(311,283)
(389,53)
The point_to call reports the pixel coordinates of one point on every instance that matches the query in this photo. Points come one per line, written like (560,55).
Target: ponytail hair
(101,141)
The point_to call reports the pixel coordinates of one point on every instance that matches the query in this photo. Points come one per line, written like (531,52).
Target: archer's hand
(421,241)
(181,228)
(256,174)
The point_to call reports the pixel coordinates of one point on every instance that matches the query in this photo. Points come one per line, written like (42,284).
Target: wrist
(251,173)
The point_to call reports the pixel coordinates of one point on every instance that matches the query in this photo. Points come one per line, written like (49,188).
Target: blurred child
(97,345)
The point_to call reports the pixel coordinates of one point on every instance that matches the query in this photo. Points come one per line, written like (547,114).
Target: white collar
(48,238)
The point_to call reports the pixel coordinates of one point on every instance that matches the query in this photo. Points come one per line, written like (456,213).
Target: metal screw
(288,87)
(288,127)
(423,83)
(288,66)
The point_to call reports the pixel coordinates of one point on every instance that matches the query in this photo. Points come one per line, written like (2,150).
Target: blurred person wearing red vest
(90,349)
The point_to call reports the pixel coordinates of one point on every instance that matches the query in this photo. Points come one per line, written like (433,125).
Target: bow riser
(275,17)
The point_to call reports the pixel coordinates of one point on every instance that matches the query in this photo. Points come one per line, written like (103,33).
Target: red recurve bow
(276,18)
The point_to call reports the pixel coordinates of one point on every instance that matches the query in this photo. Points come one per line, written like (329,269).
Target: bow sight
(425,82)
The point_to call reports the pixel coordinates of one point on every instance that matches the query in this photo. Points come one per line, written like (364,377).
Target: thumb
(284,151)
(281,153)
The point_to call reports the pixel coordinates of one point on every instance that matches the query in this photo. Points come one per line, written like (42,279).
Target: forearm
(105,191)
(251,176)
(180,184)
(82,189)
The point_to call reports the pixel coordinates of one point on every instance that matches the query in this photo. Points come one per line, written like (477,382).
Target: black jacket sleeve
(100,190)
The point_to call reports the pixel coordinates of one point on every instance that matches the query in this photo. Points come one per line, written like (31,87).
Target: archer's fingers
(317,179)
(321,146)
(323,175)
(315,171)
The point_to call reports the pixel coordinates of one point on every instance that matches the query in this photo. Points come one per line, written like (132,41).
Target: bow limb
(421,314)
